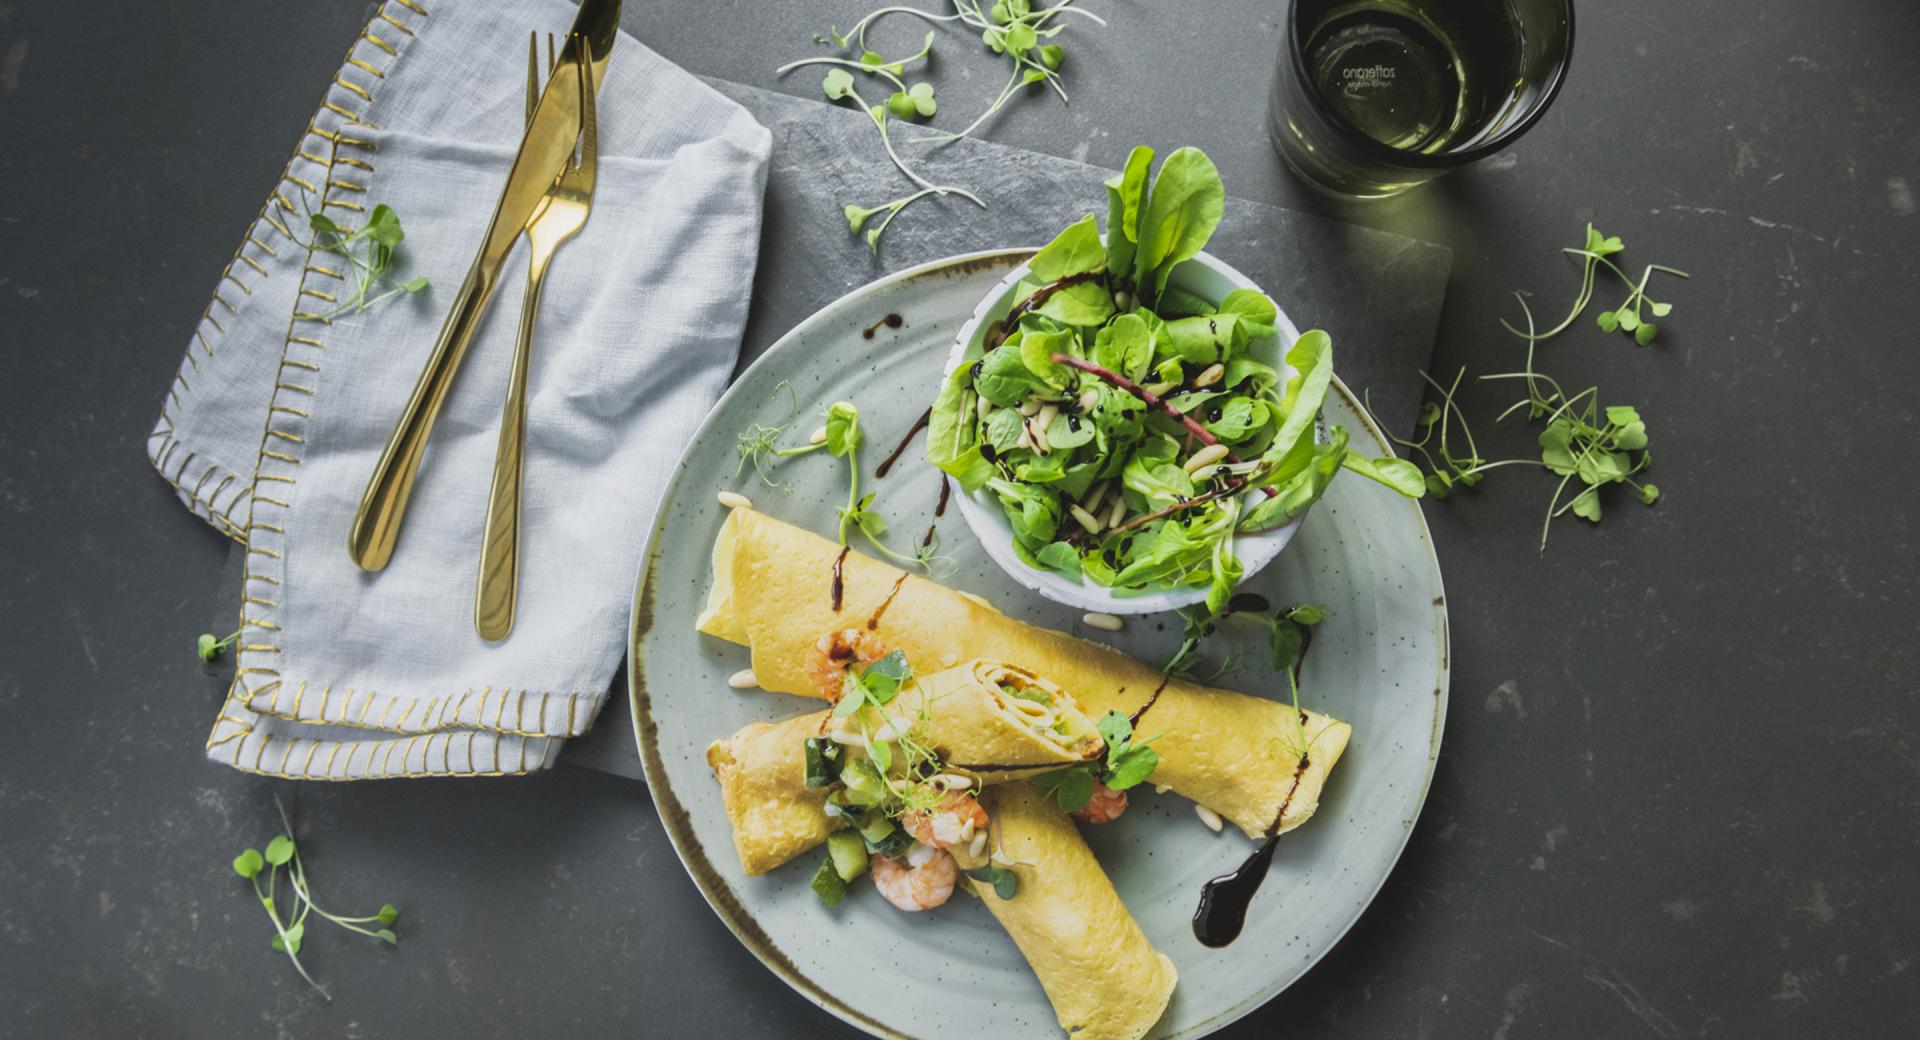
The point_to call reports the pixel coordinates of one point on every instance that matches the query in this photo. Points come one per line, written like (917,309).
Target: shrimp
(1105,806)
(920,887)
(837,651)
(946,824)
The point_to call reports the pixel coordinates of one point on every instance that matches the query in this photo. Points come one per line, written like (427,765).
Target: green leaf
(1307,614)
(1083,305)
(294,934)
(1131,767)
(871,60)
(1005,883)
(414,285)
(1004,378)
(1253,308)
(1398,474)
(1627,319)
(1304,487)
(388,913)
(1019,39)
(1074,251)
(921,94)
(1126,194)
(884,678)
(1061,558)
(1660,310)
(1034,512)
(1037,348)
(837,84)
(280,850)
(843,428)
(388,935)
(1186,205)
(208,646)
(1033,76)
(1068,431)
(857,216)
(1645,333)
(1072,788)
(248,863)
(900,105)
(1609,321)
(1649,493)
(1587,504)
(277,945)
(1125,346)
(828,884)
(1051,55)
(881,753)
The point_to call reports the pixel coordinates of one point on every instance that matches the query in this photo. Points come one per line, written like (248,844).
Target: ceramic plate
(1379,661)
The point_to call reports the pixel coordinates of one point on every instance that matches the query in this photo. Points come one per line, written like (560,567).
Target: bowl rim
(984,518)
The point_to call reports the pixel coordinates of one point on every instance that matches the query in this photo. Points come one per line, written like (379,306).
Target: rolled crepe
(1105,981)
(976,726)
(1250,759)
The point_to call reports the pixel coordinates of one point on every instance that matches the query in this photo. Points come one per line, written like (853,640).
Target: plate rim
(677,822)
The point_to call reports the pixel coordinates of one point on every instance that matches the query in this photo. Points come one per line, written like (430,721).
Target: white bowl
(1205,276)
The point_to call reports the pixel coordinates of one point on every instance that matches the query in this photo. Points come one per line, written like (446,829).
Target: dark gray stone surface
(1678,792)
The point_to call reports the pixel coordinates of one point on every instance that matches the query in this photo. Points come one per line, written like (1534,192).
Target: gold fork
(558,218)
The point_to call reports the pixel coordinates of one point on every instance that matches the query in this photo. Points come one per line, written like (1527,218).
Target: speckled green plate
(1379,661)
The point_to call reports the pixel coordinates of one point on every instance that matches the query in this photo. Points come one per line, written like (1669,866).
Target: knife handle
(376,524)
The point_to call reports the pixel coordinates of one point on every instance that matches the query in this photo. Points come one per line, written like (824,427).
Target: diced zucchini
(828,884)
(824,759)
(848,853)
(875,828)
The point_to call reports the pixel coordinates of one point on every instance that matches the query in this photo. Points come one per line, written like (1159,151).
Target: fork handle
(493,602)
(376,524)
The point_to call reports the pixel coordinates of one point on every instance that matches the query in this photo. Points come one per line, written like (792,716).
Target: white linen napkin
(282,407)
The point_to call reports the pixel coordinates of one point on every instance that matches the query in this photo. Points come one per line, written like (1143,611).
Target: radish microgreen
(210,647)
(369,252)
(289,932)
(1019,30)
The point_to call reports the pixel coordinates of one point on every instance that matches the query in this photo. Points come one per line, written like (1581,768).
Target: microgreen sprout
(1125,763)
(1018,30)
(843,441)
(369,252)
(759,443)
(289,932)
(210,647)
(1630,316)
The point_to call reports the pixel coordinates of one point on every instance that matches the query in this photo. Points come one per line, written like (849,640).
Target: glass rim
(1391,156)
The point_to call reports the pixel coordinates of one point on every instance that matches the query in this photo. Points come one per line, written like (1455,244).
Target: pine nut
(982,407)
(978,845)
(1204,474)
(1207,816)
(1026,438)
(1095,496)
(847,737)
(890,730)
(1037,433)
(1119,510)
(1030,406)
(967,832)
(1159,389)
(735,500)
(1161,788)
(744,679)
(1108,622)
(1206,456)
(1085,519)
(1210,375)
(817,436)
(951,781)
(1090,399)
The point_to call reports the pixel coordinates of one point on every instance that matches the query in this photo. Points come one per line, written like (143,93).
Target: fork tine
(550,61)
(589,121)
(533,74)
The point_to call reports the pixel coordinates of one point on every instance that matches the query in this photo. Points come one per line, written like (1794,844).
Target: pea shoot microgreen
(1288,631)
(369,252)
(759,443)
(1005,883)
(1125,763)
(289,932)
(1020,31)
(210,647)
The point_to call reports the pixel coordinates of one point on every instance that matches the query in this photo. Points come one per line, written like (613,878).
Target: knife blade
(545,148)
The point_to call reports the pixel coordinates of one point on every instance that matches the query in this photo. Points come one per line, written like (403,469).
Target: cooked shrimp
(835,652)
(946,825)
(921,887)
(1105,806)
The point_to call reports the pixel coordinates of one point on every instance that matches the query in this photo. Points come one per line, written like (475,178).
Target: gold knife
(547,147)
